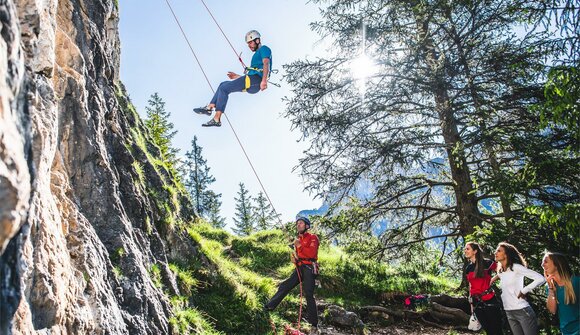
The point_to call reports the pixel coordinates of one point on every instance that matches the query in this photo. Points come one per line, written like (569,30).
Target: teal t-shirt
(569,315)
(258,59)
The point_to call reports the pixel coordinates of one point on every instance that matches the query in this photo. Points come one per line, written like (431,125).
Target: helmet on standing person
(305,220)
(252,35)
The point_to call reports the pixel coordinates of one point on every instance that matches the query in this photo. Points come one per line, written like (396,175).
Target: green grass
(245,272)
(188,284)
(117,272)
(353,282)
(155,274)
(236,294)
(138,167)
(187,320)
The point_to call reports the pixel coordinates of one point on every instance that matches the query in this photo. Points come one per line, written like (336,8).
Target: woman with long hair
(482,297)
(563,291)
(511,272)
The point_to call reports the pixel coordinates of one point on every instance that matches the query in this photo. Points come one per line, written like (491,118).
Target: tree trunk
(487,145)
(467,211)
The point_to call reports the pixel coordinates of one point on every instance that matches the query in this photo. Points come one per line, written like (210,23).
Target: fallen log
(448,314)
(399,313)
(449,301)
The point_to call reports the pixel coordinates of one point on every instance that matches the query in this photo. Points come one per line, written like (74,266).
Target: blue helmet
(305,219)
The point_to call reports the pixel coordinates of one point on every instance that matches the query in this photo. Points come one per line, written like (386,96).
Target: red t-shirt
(308,247)
(479,285)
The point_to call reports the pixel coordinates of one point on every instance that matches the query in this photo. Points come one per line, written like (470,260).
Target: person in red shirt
(482,297)
(305,257)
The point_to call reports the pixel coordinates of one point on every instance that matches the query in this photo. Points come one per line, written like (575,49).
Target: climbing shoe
(203,110)
(212,123)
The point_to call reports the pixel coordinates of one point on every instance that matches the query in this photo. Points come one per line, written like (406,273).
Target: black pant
(489,315)
(286,286)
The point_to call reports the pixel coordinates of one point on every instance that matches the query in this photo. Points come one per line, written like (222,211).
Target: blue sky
(156,58)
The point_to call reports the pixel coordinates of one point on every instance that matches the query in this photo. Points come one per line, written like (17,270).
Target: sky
(156,58)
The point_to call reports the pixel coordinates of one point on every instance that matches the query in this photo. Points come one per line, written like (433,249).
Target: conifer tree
(161,128)
(213,212)
(197,181)
(434,124)
(243,220)
(264,215)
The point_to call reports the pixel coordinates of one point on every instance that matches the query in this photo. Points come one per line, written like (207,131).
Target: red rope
(300,309)
(190,47)
(225,36)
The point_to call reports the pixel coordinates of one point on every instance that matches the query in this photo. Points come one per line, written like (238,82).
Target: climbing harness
(211,87)
(288,329)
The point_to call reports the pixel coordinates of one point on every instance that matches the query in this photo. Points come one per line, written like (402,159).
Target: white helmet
(252,35)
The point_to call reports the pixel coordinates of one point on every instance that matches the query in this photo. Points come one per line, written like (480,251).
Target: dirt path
(411,328)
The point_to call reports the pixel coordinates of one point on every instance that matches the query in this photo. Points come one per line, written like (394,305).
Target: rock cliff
(88,213)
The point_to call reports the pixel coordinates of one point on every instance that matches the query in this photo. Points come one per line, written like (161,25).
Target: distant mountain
(322,210)
(365,190)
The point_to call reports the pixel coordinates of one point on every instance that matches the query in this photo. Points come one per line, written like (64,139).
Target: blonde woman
(511,272)
(563,291)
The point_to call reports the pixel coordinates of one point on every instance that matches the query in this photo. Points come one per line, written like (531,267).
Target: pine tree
(213,212)
(433,129)
(264,215)
(161,128)
(197,181)
(243,220)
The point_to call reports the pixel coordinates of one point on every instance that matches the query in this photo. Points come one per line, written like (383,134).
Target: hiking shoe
(203,110)
(212,123)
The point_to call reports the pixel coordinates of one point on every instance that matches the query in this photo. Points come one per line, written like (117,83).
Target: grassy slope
(243,273)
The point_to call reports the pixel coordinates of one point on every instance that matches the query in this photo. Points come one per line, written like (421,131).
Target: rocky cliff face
(87,214)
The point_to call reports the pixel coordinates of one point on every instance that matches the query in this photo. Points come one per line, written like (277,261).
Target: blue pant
(220,98)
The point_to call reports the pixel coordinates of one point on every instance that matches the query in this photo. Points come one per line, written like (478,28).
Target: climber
(305,259)
(254,80)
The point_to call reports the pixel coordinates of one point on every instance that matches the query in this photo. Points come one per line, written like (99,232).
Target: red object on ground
(291,331)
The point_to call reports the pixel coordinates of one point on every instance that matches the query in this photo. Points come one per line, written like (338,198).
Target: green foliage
(161,128)
(185,279)
(243,220)
(264,214)
(148,226)
(197,181)
(213,212)
(351,280)
(117,272)
(265,251)
(564,220)
(138,167)
(211,233)
(189,320)
(155,274)
(562,105)
(236,294)
(241,282)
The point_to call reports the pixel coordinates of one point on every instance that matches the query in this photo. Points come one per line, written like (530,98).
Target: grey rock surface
(79,233)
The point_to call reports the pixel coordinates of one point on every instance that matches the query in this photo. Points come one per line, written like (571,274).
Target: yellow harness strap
(248,83)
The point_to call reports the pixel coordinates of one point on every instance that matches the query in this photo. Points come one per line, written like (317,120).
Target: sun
(362,68)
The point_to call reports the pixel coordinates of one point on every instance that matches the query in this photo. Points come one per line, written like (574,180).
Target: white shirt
(512,283)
